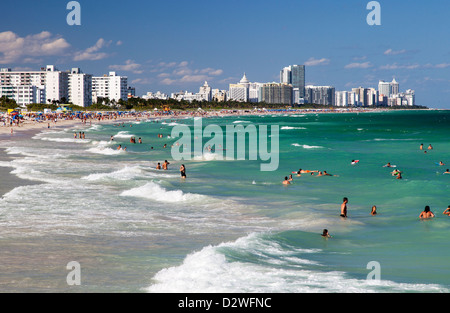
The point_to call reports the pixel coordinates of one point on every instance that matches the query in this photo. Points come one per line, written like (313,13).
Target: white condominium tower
(80,88)
(388,89)
(56,86)
(110,86)
(245,91)
(46,86)
(24,87)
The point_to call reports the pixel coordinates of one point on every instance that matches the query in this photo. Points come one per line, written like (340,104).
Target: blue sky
(177,45)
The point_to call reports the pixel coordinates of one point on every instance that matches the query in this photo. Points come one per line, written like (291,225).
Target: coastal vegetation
(140,104)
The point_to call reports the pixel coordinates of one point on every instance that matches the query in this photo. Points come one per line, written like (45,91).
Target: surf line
(258,142)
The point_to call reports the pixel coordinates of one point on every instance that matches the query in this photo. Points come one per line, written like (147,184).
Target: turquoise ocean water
(230,227)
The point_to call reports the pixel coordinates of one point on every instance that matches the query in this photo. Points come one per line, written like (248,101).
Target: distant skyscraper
(273,93)
(320,95)
(384,88)
(294,75)
(362,96)
(245,91)
(205,92)
(395,87)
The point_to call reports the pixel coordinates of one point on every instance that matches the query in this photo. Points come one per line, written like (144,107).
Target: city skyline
(203,41)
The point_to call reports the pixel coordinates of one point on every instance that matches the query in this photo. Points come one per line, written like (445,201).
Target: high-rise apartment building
(56,86)
(342,98)
(110,86)
(395,87)
(388,88)
(274,93)
(295,76)
(205,92)
(24,87)
(245,91)
(384,88)
(46,86)
(80,88)
(324,95)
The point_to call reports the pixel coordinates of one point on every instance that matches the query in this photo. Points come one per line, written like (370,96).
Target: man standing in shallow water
(344,208)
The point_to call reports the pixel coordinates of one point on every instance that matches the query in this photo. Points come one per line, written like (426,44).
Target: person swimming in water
(396,172)
(286,181)
(300,172)
(326,234)
(447,211)
(290,178)
(183,171)
(344,207)
(374,210)
(426,213)
(447,171)
(158,167)
(165,164)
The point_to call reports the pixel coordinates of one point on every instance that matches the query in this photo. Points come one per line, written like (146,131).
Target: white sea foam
(238,122)
(394,139)
(126,173)
(153,191)
(306,146)
(105,150)
(208,156)
(67,140)
(291,127)
(172,124)
(5,164)
(273,269)
(123,134)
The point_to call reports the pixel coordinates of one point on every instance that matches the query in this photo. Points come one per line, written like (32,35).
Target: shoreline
(10,181)
(28,129)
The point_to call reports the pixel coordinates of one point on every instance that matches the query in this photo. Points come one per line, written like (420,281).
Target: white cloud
(92,53)
(361,58)
(358,65)
(194,78)
(14,48)
(315,62)
(168,81)
(442,65)
(129,66)
(392,52)
(142,81)
(182,72)
(395,66)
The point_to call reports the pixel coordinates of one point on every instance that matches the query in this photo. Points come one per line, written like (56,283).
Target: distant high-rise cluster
(292,90)
(388,94)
